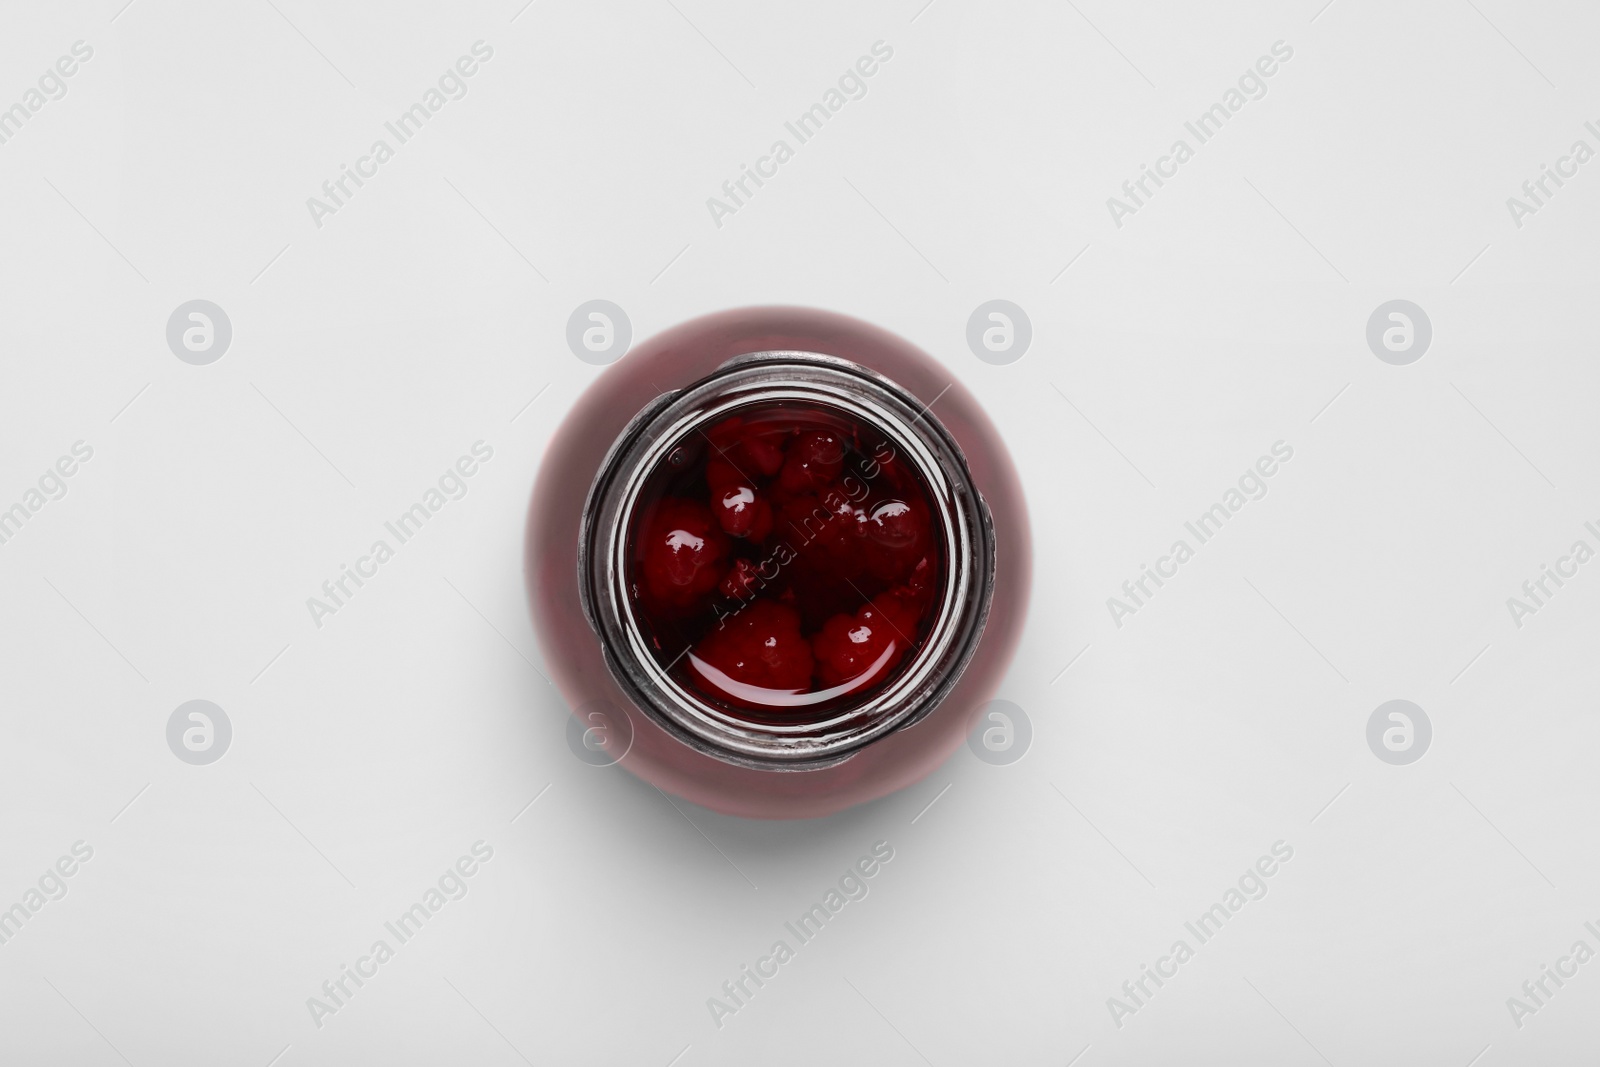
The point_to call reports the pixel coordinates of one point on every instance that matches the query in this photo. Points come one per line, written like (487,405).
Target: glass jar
(777,558)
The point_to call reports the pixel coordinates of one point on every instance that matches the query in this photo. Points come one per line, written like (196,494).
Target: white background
(369,353)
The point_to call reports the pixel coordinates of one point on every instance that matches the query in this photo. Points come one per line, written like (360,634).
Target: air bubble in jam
(785,562)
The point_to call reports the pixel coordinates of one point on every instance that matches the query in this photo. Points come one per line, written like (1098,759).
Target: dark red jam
(784,562)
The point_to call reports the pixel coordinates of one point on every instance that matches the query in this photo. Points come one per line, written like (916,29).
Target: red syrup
(784,562)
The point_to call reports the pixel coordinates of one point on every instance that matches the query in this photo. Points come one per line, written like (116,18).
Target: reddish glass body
(779,565)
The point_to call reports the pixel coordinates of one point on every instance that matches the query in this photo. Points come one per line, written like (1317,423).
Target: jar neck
(959,515)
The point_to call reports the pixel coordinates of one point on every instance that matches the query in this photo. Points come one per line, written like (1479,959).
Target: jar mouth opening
(833,711)
(817,726)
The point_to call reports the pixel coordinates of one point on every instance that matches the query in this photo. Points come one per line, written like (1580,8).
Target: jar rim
(814,378)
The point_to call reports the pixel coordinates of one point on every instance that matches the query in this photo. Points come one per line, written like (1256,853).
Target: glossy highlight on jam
(784,562)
